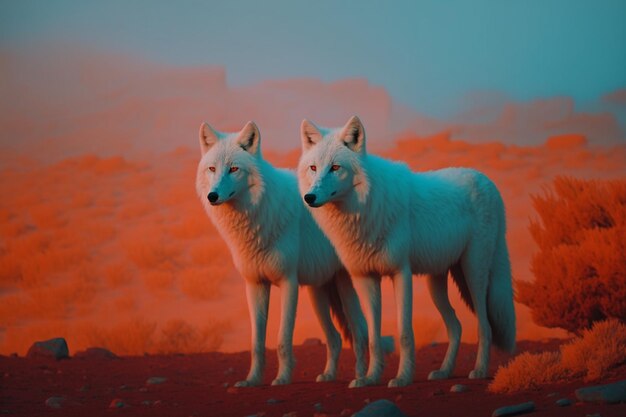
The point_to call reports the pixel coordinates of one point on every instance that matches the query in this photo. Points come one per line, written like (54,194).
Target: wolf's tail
(337,309)
(500,308)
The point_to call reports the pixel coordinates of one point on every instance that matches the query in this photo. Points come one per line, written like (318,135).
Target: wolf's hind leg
(289,302)
(258,296)
(321,305)
(438,287)
(356,320)
(477,277)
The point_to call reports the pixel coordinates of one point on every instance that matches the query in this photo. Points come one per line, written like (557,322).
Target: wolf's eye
(313,168)
(334,168)
(212,169)
(233,169)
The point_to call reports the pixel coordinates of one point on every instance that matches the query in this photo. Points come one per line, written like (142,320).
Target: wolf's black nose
(213,196)
(310,198)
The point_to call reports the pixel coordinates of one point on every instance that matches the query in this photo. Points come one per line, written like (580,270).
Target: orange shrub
(598,350)
(528,371)
(580,269)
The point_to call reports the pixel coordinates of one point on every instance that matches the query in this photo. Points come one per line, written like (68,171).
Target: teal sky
(427,54)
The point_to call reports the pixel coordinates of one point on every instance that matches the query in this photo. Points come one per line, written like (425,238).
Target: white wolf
(274,241)
(385,220)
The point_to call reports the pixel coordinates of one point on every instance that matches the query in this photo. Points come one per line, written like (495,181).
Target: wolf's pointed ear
(353,135)
(208,137)
(310,134)
(249,138)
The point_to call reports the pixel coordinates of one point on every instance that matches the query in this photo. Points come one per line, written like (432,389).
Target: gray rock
(563,402)
(513,410)
(117,403)
(52,348)
(156,380)
(95,353)
(380,408)
(318,407)
(273,401)
(458,388)
(312,341)
(609,393)
(55,402)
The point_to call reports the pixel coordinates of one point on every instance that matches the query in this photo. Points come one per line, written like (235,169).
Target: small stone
(53,348)
(117,403)
(318,407)
(563,402)
(609,393)
(437,392)
(513,410)
(143,389)
(345,412)
(55,402)
(552,394)
(225,384)
(229,371)
(95,353)
(84,388)
(273,401)
(290,414)
(458,388)
(156,380)
(380,408)
(312,341)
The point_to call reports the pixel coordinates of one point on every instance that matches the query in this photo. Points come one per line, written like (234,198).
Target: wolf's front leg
(368,290)
(289,302)
(403,289)
(258,296)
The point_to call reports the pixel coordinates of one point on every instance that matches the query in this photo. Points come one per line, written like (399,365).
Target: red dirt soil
(195,386)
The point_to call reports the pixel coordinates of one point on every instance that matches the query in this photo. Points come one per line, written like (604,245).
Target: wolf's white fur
(274,241)
(385,220)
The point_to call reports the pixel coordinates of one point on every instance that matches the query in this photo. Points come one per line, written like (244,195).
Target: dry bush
(528,371)
(598,350)
(580,269)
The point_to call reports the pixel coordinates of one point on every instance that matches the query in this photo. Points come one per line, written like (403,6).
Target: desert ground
(202,385)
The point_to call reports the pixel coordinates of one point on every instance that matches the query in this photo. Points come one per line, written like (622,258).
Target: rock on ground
(55,402)
(53,348)
(117,403)
(380,408)
(609,393)
(563,402)
(513,410)
(458,388)
(156,380)
(312,341)
(95,353)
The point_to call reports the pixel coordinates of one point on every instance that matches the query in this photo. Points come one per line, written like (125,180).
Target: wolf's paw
(325,377)
(247,383)
(478,374)
(399,382)
(358,383)
(281,381)
(363,382)
(438,374)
